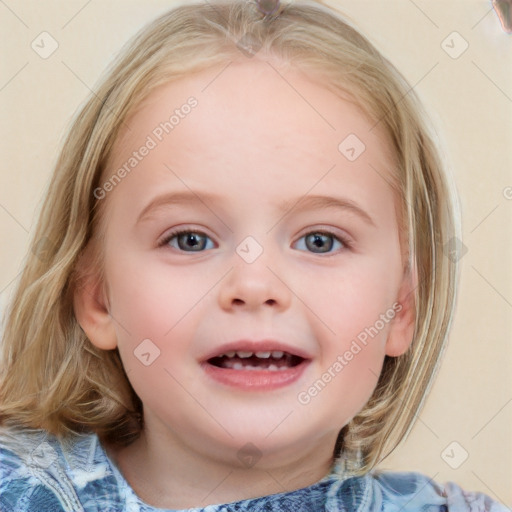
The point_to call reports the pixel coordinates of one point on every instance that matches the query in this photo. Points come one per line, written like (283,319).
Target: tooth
(277,354)
(244,355)
(231,353)
(238,366)
(273,368)
(264,355)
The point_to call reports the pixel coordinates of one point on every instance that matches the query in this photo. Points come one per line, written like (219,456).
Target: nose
(251,286)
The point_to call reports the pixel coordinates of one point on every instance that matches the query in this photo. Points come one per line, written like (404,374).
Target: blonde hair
(53,377)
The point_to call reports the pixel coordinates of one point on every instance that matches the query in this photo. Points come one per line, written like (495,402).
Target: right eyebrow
(170,198)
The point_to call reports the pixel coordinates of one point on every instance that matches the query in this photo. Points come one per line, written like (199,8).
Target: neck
(165,473)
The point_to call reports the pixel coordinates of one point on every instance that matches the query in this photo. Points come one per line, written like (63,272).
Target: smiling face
(246,254)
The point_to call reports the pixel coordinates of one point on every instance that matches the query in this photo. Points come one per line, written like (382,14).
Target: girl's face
(253,268)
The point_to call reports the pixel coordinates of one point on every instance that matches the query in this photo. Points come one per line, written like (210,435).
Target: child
(276,360)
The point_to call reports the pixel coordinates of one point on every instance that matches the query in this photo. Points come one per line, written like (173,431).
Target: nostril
(240,302)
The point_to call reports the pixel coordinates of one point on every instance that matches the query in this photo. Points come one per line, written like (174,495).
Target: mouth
(256,365)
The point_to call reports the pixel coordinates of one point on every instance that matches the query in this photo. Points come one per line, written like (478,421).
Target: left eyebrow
(311,202)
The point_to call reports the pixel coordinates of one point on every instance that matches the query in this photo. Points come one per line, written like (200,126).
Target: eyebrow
(308,202)
(177,198)
(311,202)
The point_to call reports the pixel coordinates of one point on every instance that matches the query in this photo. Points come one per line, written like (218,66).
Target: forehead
(256,119)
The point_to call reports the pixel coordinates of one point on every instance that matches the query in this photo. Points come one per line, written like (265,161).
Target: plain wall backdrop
(456,56)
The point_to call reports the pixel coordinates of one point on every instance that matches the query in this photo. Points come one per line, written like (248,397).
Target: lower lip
(255,380)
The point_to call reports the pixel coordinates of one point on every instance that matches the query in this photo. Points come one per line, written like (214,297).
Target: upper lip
(256,346)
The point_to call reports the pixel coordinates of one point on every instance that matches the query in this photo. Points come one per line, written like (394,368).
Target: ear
(402,326)
(90,304)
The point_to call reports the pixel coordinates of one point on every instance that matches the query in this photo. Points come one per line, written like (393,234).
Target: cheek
(343,386)
(349,303)
(356,383)
(149,297)
(155,313)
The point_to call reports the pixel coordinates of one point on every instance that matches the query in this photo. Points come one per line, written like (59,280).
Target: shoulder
(412,491)
(39,472)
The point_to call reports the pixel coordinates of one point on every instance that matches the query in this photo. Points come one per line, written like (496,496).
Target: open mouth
(273,361)
(264,365)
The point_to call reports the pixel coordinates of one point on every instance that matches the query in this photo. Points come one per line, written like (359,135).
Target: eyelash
(344,240)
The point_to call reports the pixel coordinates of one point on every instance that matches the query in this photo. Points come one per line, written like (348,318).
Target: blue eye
(188,241)
(321,242)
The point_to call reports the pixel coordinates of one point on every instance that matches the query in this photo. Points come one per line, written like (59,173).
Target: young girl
(237,297)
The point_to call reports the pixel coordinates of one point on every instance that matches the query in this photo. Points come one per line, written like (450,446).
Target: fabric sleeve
(465,501)
(416,492)
(20,490)
(33,474)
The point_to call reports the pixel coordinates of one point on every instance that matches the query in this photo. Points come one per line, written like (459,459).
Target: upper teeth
(242,354)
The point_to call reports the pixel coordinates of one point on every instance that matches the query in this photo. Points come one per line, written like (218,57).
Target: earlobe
(91,312)
(402,326)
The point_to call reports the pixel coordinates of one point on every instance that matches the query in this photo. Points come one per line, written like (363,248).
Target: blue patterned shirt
(41,473)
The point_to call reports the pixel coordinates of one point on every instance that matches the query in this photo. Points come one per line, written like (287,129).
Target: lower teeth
(240,366)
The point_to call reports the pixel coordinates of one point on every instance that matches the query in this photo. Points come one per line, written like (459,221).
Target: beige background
(470,100)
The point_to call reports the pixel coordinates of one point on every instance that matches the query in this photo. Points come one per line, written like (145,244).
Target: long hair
(52,377)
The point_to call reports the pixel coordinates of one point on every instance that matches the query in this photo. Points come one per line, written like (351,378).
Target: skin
(255,142)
